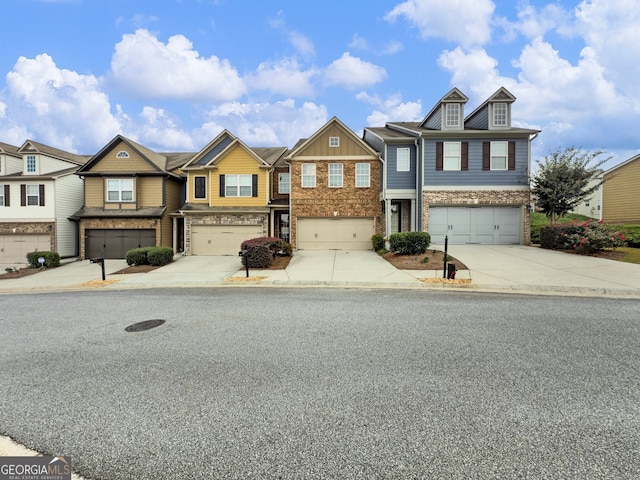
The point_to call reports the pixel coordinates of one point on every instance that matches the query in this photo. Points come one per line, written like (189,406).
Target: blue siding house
(464,178)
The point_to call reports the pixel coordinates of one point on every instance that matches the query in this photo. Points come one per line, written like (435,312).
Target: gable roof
(304,143)
(210,150)
(30,146)
(9,149)
(452,96)
(156,160)
(626,162)
(502,95)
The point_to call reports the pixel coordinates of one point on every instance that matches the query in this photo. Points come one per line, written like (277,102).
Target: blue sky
(172,74)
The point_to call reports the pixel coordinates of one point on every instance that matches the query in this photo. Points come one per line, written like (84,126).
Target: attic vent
(122,154)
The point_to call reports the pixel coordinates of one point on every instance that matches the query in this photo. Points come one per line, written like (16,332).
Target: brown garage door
(335,233)
(14,248)
(116,243)
(221,239)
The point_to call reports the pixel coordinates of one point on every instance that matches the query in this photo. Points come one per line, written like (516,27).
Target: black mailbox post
(244,254)
(99,260)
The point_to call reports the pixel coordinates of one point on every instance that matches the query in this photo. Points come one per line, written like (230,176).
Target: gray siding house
(463,178)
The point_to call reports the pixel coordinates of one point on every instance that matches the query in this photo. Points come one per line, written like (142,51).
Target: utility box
(451,271)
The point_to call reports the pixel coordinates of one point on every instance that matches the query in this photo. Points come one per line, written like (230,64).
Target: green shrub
(51,259)
(137,256)
(586,237)
(258,256)
(378,242)
(262,250)
(554,236)
(409,243)
(631,235)
(159,256)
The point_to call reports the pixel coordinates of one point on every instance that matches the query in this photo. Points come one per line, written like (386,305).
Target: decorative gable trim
(156,160)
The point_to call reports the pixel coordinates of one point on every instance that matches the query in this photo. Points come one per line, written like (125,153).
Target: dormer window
(334,141)
(32,164)
(500,115)
(122,154)
(452,115)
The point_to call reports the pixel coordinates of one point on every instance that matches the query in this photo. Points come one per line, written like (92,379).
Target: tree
(565,178)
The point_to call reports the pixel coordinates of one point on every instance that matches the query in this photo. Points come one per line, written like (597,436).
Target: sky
(172,74)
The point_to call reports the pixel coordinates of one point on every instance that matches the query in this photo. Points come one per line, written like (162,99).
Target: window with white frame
(335,175)
(403,162)
(451,157)
(200,187)
(33,195)
(499,152)
(334,141)
(284,184)
(32,164)
(120,190)
(237,185)
(308,175)
(499,114)
(452,115)
(122,154)
(363,175)
(2,200)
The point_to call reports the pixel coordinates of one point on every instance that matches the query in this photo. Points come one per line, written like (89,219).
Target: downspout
(387,215)
(418,201)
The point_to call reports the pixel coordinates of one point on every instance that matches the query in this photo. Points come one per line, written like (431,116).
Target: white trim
(471,188)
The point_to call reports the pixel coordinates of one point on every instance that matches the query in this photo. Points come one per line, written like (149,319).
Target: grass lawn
(632,255)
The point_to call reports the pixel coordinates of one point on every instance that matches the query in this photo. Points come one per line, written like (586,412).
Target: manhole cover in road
(146,325)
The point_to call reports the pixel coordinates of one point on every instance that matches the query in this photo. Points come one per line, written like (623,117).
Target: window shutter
(23,195)
(486,155)
(512,156)
(464,156)
(439,160)
(7,191)
(254,185)
(41,195)
(222,185)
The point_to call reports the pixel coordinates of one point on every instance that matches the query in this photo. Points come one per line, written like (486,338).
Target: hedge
(157,256)
(51,259)
(409,243)
(262,250)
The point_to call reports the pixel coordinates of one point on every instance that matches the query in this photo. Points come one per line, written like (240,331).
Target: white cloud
(533,23)
(148,68)
(285,77)
(158,128)
(302,44)
(460,21)
(390,109)
(57,106)
(352,72)
(264,124)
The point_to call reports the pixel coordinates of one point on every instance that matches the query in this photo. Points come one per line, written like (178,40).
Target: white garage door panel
(335,233)
(14,248)
(485,225)
(221,239)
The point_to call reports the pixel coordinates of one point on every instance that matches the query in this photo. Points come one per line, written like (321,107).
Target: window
(334,141)
(284,185)
(363,176)
(122,154)
(120,190)
(32,164)
(451,156)
(200,187)
(308,175)
(3,202)
(335,175)
(452,115)
(33,195)
(498,155)
(499,114)
(403,164)
(238,185)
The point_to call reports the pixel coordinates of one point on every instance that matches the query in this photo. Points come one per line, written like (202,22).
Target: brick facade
(465,198)
(40,228)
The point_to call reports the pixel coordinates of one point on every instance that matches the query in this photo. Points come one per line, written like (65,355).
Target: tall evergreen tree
(564,179)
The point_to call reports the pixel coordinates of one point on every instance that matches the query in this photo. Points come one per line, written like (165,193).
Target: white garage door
(486,225)
(14,248)
(221,239)
(335,233)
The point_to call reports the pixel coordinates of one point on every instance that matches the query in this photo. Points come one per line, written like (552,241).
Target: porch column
(414,213)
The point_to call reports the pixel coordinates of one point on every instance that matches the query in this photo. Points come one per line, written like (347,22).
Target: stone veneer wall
(43,228)
(261,219)
(116,224)
(464,198)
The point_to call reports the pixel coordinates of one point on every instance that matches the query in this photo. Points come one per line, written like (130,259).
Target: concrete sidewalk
(512,268)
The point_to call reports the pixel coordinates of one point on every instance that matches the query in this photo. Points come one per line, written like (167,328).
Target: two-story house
(335,190)
(38,192)
(463,178)
(129,196)
(230,196)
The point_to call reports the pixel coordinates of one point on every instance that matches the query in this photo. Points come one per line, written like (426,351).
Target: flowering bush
(593,237)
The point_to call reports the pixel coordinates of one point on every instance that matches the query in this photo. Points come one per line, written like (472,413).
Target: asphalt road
(324,383)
